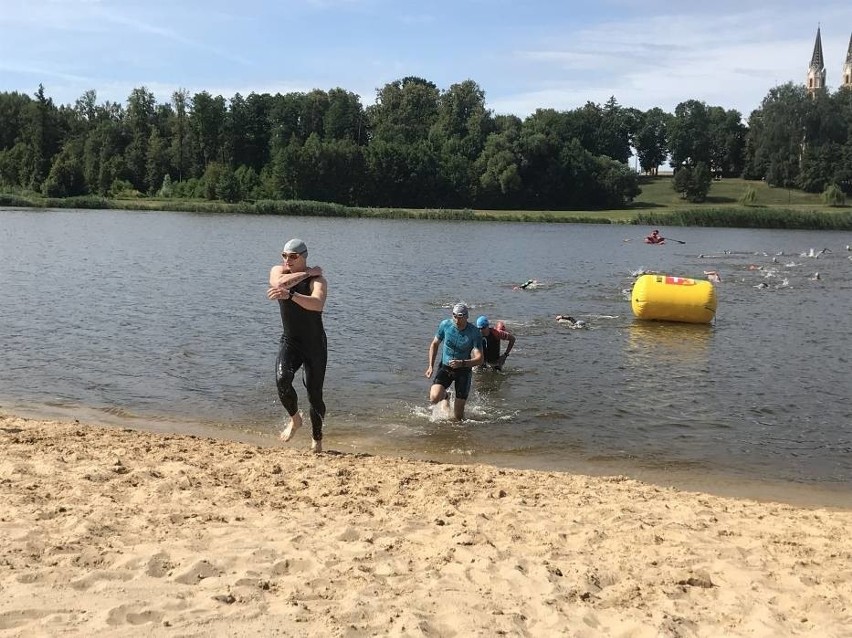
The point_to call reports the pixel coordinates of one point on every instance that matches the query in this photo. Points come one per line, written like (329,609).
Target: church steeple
(816,72)
(847,68)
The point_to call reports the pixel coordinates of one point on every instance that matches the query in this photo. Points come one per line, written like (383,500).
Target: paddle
(677,240)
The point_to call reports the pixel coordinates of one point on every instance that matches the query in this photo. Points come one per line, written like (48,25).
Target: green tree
(102,149)
(776,136)
(344,118)
(181,150)
(158,162)
(14,108)
(207,128)
(257,132)
(405,111)
(249,182)
(228,187)
(284,117)
(65,178)
(727,142)
(42,133)
(689,134)
(211,179)
(140,119)
(498,168)
(651,140)
(693,182)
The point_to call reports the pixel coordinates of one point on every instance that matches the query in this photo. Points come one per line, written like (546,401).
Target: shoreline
(798,217)
(121,531)
(798,494)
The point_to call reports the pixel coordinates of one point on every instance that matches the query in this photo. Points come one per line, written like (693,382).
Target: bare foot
(290,430)
(316,446)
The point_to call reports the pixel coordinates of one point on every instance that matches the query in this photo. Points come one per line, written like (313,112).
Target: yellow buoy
(666,298)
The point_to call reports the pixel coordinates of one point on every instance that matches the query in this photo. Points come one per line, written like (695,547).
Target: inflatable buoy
(666,298)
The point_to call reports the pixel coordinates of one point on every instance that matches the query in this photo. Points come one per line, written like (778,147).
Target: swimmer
(571,322)
(460,345)
(529,283)
(491,338)
(713,276)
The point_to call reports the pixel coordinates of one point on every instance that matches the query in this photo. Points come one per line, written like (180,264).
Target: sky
(524,54)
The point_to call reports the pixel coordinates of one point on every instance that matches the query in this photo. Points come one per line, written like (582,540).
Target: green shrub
(166,189)
(749,196)
(749,218)
(833,196)
(123,189)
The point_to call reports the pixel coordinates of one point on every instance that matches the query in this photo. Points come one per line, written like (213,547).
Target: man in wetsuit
(300,292)
(491,338)
(461,353)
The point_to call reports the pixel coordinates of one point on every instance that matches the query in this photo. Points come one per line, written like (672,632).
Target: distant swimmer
(815,277)
(713,276)
(816,254)
(529,283)
(571,322)
(762,285)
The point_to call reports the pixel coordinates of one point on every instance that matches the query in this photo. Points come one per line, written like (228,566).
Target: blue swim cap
(482,322)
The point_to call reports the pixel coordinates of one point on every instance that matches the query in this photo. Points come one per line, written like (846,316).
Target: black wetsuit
(303,343)
(491,345)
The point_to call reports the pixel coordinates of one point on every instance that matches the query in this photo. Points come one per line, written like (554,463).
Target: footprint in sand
(98,575)
(20,617)
(198,572)
(159,565)
(132,615)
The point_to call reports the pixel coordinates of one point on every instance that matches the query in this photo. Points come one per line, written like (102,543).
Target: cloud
(170,34)
(725,59)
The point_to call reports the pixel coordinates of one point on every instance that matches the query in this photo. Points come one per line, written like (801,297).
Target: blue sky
(525,54)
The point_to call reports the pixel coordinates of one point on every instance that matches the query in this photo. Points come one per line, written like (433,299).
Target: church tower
(816,72)
(847,68)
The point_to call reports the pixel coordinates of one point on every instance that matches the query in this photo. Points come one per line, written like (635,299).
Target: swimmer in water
(529,283)
(571,322)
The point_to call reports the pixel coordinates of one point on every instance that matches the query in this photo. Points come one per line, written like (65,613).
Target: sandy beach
(109,531)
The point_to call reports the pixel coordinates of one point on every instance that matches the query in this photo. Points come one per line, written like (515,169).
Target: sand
(117,532)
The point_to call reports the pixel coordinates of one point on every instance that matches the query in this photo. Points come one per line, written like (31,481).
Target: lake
(159,320)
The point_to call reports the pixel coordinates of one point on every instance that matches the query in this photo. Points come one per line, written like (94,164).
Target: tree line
(416,146)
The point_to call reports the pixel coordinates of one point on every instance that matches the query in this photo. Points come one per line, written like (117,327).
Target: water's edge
(821,495)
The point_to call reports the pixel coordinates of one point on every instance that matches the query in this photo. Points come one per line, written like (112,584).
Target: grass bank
(658,205)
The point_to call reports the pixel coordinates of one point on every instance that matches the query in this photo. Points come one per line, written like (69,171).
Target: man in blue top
(461,353)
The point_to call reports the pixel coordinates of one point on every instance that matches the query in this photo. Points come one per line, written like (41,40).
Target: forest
(417,146)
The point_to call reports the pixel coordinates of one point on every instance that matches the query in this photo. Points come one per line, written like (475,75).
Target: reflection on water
(161,319)
(667,369)
(661,342)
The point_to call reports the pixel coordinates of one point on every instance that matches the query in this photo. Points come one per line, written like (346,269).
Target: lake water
(160,320)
